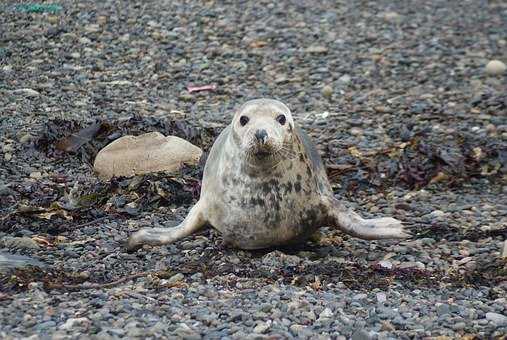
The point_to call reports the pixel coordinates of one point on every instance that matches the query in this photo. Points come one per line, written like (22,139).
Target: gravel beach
(402,97)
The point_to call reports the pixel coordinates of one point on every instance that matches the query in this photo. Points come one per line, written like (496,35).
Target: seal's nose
(261,135)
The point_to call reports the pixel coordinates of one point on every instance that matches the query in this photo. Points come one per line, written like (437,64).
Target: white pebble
(345,79)
(36,175)
(326,313)
(27,92)
(437,213)
(496,68)
(381,297)
(386,264)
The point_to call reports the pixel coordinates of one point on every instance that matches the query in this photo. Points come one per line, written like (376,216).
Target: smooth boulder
(148,153)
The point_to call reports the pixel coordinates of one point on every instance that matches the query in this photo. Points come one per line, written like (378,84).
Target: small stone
(496,68)
(102,20)
(7,157)
(27,92)
(361,334)
(266,307)
(175,278)
(52,19)
(19,243)
(45,325)
(387,327)
(345,79)
(35,286)
(262,327)
(73,322)
(385,264)
(504,253)
(391,17)
(84,41)
(296,329)
(459,326)
(410,264)
(436,214)
(355,131)
(26,138)
(359,296)
(75,55)
(326,313)
(327,91)
(120,82)
(316,49)
(381,297)
(443,309)
(93,28)
(497,319)
(36,175)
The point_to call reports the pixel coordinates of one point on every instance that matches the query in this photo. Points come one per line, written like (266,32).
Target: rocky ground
(408,120)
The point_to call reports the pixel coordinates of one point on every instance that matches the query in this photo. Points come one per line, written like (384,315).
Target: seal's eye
(281,119)
(243,120)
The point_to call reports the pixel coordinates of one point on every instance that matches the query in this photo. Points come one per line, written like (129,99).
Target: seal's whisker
(288,153)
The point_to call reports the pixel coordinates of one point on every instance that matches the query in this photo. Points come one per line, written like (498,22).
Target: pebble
(326,313)
(327,91)
(19,243)
(175,278)
(496,68)
(27,92)
(45,325)
(25,138)
(316,49)
(386,264)
(345,79)
(36,175)
(381,297)
(497,319)
(262,327)
(355,131)
(73,322)
(361,334)
(437,214)
(392,17)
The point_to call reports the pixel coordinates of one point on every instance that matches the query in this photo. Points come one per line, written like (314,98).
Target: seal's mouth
(261,154)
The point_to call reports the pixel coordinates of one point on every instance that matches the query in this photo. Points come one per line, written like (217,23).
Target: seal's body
(264,184)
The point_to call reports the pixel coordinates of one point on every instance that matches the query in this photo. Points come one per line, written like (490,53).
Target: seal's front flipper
(369,229)
(160,236)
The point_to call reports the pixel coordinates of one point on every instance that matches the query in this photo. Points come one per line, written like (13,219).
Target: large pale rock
(151,152)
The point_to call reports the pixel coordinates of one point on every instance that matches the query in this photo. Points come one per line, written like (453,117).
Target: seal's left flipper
(158,236)
(369,229)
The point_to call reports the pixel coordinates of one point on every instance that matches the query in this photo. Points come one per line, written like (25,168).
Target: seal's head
(261,129)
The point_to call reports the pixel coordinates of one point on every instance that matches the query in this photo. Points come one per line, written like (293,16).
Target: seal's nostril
(261,135)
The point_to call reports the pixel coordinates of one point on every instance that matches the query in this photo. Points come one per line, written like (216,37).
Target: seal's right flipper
(160,236)
(369,229)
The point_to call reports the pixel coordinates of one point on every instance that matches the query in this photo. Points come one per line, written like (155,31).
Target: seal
(264,184)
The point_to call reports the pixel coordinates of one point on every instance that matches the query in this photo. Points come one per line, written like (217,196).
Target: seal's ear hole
(243,120)
(281,119)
